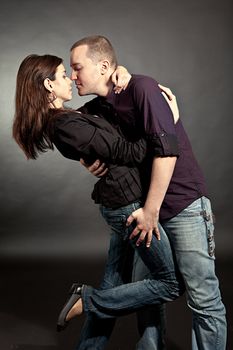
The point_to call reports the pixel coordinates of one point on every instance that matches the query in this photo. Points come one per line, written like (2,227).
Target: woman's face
(62,85)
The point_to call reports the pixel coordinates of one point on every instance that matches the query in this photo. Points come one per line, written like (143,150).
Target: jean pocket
(118,224)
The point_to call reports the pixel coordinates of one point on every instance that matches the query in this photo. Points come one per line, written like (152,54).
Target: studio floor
(33,291)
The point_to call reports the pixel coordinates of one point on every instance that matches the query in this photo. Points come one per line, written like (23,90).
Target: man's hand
(171,100)
(97,168)
(147,225)
(120,79)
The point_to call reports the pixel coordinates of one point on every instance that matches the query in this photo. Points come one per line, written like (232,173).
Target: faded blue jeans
(103,305)
(191,234)
(151,321)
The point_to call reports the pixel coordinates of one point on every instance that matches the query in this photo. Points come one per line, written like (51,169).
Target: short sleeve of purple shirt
(158,122)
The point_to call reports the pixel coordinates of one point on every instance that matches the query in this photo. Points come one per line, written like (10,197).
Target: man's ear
(48,85)
(104,66)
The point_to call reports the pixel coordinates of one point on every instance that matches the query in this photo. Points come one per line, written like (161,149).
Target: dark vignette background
(51,232)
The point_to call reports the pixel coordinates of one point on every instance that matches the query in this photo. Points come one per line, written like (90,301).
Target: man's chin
(84,93)
(81,92)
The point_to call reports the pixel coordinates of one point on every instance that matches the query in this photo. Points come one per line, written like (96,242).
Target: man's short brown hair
(99,47)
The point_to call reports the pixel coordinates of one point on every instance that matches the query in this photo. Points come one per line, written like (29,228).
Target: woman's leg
(96,332)
(151,320)
(165,283)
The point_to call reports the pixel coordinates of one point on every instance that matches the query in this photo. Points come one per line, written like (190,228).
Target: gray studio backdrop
(46,208)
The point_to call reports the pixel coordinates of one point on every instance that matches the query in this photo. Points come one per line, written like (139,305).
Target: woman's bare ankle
(76,310)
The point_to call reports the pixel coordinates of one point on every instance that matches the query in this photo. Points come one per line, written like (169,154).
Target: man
(174,187)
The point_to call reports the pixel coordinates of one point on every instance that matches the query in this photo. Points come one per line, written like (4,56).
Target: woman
(41,121)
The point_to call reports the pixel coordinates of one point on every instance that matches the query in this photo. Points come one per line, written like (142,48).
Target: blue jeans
(151,321)
(105,304)
(191,234)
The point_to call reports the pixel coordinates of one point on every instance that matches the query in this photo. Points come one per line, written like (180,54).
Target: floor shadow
(32,292)
(33,347)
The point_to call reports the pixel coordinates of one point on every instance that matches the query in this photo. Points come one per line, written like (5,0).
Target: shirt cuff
(163,145)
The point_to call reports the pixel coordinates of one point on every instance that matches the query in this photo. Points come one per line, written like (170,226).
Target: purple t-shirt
(142,111)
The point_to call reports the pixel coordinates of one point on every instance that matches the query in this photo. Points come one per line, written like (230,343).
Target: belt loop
(204,212)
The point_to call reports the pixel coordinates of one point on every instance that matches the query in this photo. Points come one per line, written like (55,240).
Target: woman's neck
(57,104)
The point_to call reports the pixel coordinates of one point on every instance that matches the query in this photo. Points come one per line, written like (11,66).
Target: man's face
(85,73)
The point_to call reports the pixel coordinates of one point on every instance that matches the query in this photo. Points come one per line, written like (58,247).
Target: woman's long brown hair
(32,112)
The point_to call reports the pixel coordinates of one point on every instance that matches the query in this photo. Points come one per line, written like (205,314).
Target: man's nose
(73,75)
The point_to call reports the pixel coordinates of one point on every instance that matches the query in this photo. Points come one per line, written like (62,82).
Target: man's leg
(151,320)
(191,236)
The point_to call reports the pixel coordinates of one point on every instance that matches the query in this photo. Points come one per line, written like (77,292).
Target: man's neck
(108,85)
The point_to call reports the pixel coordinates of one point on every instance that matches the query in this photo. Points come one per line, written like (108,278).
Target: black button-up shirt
(78,135)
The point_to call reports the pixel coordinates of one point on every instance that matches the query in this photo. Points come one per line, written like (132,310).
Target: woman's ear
(48,85)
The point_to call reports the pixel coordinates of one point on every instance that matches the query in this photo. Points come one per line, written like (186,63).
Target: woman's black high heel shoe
(74,296)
